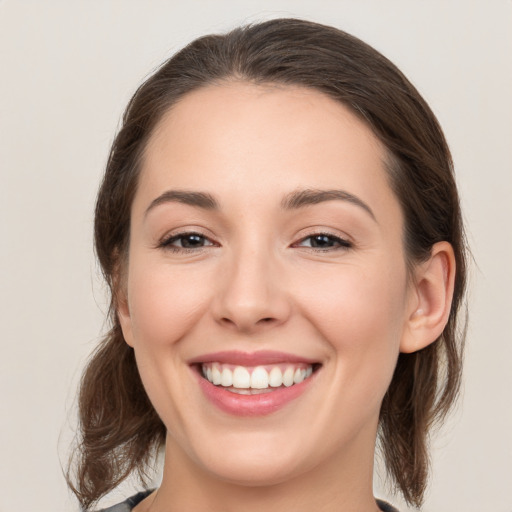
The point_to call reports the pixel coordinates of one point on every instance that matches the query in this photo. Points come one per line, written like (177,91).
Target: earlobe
(431,299)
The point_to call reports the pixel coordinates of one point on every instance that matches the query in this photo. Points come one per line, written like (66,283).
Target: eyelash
(342,244)
(167,242)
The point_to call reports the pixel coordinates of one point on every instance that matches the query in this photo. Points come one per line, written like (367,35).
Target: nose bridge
(252,294)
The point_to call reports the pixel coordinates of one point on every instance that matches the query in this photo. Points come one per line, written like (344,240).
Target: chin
(248,472)
(254,460)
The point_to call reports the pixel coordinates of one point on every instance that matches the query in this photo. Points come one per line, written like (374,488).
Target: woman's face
(265,244)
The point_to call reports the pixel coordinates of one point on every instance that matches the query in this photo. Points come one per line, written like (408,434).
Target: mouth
(247,380)
(253,384)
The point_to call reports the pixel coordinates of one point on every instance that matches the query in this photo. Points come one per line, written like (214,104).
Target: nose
(252,293)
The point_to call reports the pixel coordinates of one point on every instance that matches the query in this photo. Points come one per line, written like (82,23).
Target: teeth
(216,375)
(241,379)
(259,378)
(298,376)
(275,378)
(288,377)
(250,391)
(226,378)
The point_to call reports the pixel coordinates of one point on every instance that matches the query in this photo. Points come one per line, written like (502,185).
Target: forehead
(246,140)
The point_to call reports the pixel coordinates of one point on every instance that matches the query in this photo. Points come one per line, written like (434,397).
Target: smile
(256,384)
(255,380)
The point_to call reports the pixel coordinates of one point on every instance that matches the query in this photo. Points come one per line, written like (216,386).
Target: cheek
(164,304)
(360,316)
(355,299)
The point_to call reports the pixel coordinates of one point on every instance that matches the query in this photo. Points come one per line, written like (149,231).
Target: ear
(120,290)
(431,299)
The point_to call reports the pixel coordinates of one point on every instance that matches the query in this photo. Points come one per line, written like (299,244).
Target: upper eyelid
(179,232)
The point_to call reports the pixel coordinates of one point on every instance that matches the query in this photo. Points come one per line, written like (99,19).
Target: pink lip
(260,357)
(252,405)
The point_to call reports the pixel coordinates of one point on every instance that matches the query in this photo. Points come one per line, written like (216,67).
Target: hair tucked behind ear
(119,428)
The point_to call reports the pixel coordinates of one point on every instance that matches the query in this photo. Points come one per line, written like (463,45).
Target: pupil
(191,241)
(321,241)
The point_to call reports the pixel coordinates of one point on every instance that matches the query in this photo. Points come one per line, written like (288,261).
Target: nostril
(266,320)
(248,322)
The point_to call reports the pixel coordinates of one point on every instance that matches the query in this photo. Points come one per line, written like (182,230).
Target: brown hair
(119,427)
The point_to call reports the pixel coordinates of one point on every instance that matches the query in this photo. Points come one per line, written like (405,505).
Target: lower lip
(252,405)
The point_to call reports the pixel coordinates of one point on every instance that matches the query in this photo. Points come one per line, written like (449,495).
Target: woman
(280,229)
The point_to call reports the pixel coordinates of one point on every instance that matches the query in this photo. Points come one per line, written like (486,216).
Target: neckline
(134,500)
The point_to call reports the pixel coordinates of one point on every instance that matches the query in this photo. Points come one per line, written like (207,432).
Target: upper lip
(260,357)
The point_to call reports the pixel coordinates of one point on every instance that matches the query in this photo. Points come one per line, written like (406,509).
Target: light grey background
(67,70)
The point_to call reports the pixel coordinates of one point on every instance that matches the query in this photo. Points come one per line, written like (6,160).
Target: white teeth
(275,378)
(256,379)
(216,375)
(226,378)
(298,376)
(241,378)
(250,391)
(241,391)
(288,377)
(259,378)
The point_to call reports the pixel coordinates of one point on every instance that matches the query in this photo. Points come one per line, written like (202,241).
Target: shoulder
(129,504)
(386,507)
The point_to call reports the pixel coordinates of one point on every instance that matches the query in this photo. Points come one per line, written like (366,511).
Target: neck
(342,483)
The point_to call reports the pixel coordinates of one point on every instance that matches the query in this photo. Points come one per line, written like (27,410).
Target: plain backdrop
(68,69)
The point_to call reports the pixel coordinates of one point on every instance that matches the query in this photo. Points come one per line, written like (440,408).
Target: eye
(186,242)
(324,242)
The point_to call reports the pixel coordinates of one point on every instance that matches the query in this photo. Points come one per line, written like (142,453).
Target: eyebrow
(308,197)
(198,199)
(292,201)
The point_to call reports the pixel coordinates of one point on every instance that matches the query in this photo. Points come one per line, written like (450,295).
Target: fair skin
(327,282)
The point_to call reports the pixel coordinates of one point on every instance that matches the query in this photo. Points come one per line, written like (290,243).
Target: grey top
(130,503)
